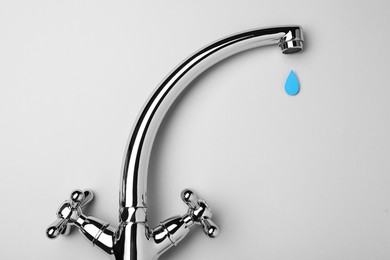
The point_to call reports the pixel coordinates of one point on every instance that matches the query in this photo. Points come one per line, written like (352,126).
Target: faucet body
(133,239)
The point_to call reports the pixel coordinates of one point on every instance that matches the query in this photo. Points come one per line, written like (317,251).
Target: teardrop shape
(292,84)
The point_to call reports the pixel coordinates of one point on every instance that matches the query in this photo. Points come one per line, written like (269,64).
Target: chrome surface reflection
(133,239)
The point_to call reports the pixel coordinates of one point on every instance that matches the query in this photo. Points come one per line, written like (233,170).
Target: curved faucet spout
(135,165)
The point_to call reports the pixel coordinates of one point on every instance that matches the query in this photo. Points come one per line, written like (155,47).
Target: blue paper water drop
(292,84)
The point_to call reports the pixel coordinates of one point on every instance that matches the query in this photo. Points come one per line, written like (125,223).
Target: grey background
(304,177)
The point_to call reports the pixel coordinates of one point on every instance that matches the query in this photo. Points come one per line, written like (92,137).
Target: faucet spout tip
(292,46)
(292,41)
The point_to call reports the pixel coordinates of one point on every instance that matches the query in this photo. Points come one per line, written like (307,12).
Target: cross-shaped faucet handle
(200,212)
(69,212)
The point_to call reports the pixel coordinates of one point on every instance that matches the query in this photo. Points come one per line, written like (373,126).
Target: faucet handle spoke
(81,198)
(68,212)
(200,212)
(57,228)
(209,227)
(190,198)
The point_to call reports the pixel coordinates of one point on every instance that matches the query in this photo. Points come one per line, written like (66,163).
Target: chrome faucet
(133,239)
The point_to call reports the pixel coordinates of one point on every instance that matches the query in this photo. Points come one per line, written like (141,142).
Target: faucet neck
(135,164)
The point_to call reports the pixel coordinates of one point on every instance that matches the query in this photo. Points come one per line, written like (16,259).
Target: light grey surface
(313,172)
